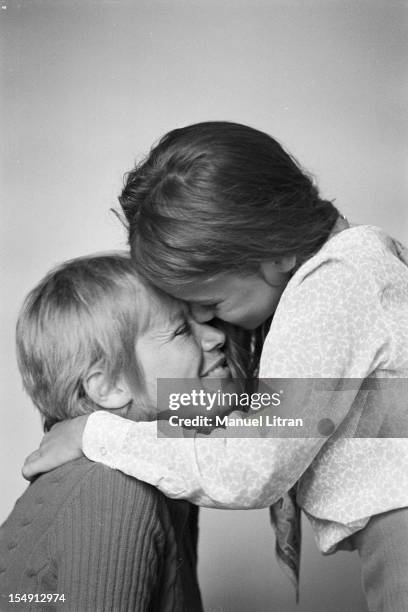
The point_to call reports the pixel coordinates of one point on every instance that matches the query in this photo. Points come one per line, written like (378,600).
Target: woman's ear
(106,394)
(272,269)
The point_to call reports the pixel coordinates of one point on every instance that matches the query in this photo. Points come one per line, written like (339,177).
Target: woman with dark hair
(222,217)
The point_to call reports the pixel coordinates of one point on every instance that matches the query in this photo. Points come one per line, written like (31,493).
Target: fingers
(61,444)
(31,465)
(38,462)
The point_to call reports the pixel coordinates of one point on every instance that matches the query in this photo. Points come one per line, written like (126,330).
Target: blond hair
(86,312)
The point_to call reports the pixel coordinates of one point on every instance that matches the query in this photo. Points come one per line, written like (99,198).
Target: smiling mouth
(219,369)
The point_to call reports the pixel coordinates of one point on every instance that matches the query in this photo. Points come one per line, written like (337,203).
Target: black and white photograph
(204,362)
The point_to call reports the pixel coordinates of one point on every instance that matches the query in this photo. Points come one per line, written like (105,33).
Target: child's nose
(210,337)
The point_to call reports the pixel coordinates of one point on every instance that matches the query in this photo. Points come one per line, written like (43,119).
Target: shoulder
(331,319)
(363,251)
(105,509)
(68,478)
(81,483)
(350,270)
(94,484)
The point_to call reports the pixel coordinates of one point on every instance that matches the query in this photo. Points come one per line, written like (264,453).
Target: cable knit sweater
(108,542)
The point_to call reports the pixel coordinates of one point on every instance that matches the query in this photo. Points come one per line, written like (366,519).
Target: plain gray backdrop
(89,85)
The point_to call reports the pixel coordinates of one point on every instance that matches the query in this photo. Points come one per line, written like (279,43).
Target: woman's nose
(202,314)
(210,337)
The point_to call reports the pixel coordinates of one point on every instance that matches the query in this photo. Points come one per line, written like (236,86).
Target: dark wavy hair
(220,197)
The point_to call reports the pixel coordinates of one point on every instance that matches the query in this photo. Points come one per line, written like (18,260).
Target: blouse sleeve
(327,326)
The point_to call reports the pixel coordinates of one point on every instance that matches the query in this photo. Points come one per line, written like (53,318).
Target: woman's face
(244,300)
(176,346)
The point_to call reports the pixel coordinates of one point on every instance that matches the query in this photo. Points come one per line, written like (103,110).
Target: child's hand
(61,444)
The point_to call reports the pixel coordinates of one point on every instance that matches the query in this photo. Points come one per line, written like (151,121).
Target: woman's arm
(213,471)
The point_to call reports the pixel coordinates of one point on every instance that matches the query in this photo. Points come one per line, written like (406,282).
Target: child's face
(245,300)
(176,346)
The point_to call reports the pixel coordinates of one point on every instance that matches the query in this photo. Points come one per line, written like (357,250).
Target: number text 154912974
(36,597)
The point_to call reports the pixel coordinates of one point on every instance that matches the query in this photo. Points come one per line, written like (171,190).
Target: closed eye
(183,330)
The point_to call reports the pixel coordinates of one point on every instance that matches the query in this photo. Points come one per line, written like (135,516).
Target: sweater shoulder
(54,489)
(94,484)
(46,503)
